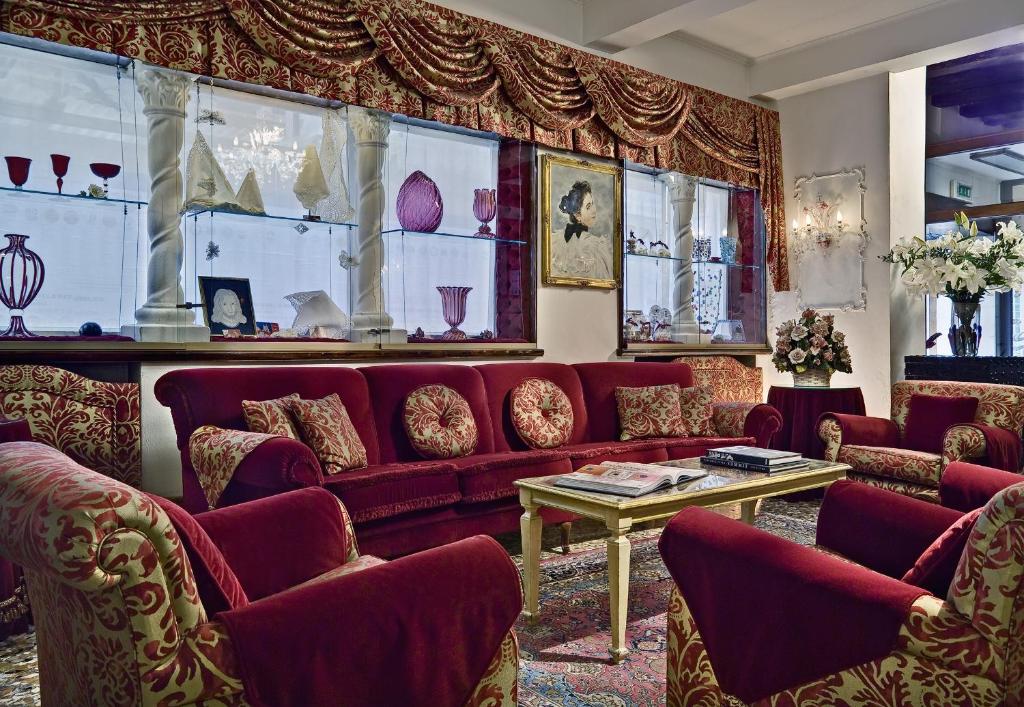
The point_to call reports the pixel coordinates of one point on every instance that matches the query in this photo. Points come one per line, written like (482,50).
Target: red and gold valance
(411,57)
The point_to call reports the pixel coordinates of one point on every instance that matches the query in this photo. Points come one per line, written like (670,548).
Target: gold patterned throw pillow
(270,416)
(696,406)
(327,429)
(541,413)
(439,423)
(651,411)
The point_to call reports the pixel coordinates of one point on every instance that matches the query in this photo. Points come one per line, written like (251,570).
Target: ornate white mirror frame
(829,238)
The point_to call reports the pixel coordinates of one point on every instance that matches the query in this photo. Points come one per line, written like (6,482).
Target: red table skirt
(801,408)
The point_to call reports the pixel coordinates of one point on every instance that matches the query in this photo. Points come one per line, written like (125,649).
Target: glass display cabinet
(172,209)
(693,266)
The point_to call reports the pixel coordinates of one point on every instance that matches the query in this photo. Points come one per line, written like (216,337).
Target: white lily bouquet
(962,266)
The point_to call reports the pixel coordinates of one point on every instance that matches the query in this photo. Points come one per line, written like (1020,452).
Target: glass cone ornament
(206,186)
(310,186)
(249,199)
(21,278)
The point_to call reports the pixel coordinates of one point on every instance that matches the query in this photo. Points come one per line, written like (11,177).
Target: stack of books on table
(755,459)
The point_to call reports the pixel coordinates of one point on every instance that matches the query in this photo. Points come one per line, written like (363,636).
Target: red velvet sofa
(401,503)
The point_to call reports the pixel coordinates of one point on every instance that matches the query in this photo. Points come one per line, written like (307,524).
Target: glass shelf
(737,266)
(79,197)
(437,234)
(292,219)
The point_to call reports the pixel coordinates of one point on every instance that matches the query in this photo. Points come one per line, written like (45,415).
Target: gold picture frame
(600,268)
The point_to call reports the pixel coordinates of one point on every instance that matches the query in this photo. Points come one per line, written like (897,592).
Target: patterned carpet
(564,654)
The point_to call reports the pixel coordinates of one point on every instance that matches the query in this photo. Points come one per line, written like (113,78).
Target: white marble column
(369,315)
(164,96)
(681,196)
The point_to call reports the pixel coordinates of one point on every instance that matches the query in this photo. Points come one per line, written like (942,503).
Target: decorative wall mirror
(829,240)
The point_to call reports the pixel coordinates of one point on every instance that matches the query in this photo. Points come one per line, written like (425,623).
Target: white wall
(825,131)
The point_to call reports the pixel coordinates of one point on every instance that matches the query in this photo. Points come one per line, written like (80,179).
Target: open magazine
(627,478)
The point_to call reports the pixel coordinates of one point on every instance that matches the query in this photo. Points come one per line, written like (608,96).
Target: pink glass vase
(419,206)
(21,278)
(453,306)
(17,170)
(484,206)
(60,169)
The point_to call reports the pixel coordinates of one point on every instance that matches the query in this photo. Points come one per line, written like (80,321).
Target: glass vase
(484,208)
(453,307)
(21,278)
(965,328)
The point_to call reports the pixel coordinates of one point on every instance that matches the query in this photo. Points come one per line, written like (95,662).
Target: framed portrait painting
(227,305)
(581,222)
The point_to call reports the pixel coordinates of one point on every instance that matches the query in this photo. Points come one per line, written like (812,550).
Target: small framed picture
(227,304)
(581,222)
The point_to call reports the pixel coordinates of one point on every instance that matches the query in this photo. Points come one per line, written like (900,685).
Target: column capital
(163,91)
(369,126)
(680,186)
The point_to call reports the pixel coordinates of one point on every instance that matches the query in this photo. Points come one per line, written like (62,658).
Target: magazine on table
(747,466)
(627,478)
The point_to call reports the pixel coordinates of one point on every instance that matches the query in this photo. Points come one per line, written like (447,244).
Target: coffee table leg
(618,586)
(530,526)
(748,510)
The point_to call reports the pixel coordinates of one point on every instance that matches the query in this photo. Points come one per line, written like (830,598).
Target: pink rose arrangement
(811,342)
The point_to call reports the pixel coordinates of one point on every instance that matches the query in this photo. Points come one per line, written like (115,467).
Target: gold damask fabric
(421,60)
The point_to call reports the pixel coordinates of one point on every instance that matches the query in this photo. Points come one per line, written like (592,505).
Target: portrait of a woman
(227,305)
(581,222)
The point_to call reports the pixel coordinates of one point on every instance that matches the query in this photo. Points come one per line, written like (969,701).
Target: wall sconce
(823,224)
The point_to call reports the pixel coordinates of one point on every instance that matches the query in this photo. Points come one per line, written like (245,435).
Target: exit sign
(962,191)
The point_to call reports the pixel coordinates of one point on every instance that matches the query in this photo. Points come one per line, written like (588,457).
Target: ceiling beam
(939,33)
(614,25)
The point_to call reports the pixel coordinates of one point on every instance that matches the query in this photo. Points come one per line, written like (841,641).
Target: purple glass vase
(453,306)
(21,278)
(484,206)
(419,205)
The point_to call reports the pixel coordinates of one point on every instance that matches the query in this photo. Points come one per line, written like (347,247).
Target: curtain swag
(418,59)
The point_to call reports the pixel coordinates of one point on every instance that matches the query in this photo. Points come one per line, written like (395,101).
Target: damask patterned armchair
(265,603)
(876,448)
(821,630)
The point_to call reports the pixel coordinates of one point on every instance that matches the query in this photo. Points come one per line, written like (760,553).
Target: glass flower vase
(21,278)
(484,208)
(965,328)
(453,307)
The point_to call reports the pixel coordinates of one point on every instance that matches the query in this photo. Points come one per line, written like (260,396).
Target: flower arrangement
(810,343)
(961,265)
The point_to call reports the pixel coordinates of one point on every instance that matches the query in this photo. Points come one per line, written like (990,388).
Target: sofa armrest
(434,619)
(275,543)
(769,610)
(742,419)
(280,464)
(879,529)
(861,429)
(15,430)
(965,487)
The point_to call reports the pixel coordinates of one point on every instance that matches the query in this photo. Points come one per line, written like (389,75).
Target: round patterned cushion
(439,423)
(541,413)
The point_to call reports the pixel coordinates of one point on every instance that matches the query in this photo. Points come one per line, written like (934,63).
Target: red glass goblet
(17,170)
(105,171)
(60,168)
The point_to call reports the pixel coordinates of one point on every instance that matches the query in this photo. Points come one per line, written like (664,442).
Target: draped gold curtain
(418,59)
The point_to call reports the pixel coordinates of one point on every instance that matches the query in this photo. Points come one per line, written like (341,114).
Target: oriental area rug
(564,654)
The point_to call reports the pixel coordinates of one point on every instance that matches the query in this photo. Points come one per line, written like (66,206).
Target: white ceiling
(765,27)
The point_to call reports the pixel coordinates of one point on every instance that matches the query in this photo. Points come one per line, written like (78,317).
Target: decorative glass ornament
(21,278)
(485,205)
(453,306)
(419,206)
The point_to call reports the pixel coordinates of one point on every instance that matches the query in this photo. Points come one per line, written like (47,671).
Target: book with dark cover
(754,455)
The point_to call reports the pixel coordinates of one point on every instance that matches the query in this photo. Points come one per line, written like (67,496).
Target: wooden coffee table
(619,513)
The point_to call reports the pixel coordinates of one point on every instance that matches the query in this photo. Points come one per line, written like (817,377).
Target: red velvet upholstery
(761,423)
(501,378)
(773,614)
(931,415)
(864,430)
(936,567)
(879,529)
(15,431)
(401,610)
(392,384)
(645,451)
(213,396)
(965,487)
(218,586)
(489,477)
(276,465)
(599,381)
(387,490)
(275,543)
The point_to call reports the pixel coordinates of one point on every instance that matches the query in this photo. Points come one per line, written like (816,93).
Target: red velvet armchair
(266,603)
(771,622)
(877,448)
